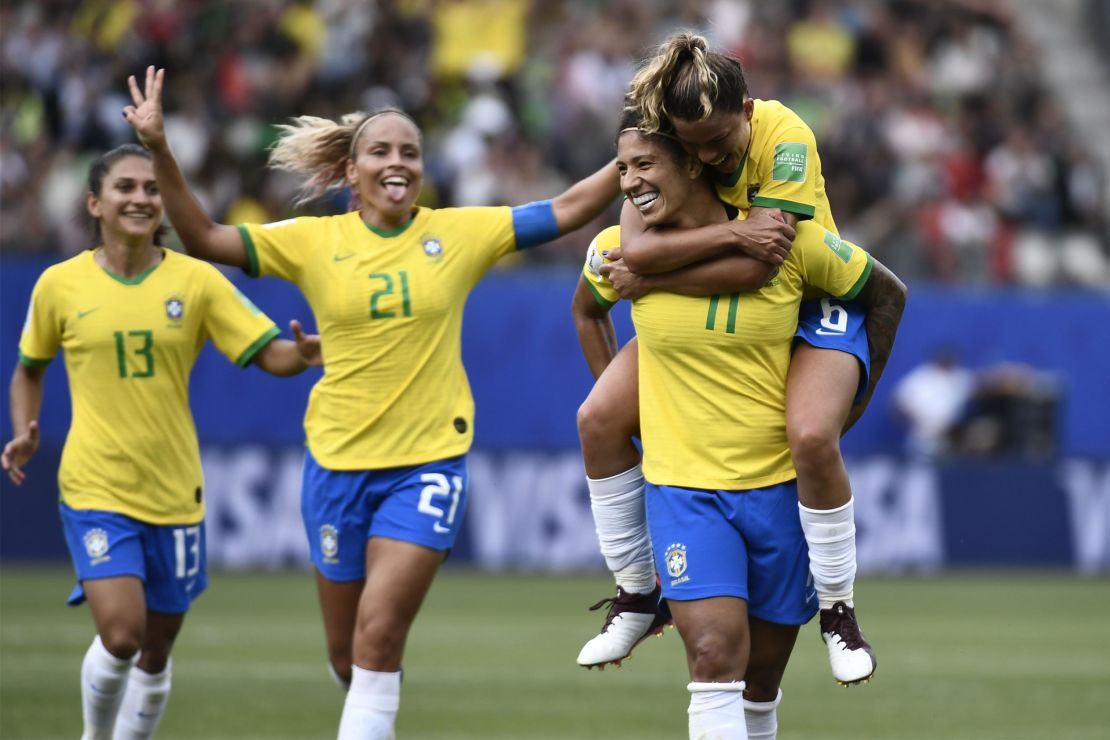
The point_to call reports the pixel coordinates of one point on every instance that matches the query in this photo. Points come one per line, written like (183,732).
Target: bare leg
(607,422)
(772,645)
(718,645)
(118,607)
(610,417)
(339,606)
(819,391)
(398,576)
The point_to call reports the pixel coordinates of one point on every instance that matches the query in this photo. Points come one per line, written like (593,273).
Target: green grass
(979,656)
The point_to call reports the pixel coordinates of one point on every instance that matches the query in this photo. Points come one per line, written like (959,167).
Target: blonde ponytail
(316,148)
(684,80)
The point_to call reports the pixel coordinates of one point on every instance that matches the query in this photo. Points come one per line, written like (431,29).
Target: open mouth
(719,160)
(644,201)
(396,186)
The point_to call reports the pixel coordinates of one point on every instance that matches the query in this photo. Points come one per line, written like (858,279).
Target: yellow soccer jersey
(389,308)
(780,169)
(129,345)
(713,369)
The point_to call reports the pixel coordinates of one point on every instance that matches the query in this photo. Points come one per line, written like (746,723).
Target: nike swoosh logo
(83,314)
(826,332)
(440,529)
(341,257)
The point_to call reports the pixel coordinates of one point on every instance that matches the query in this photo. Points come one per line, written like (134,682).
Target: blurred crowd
(942,152)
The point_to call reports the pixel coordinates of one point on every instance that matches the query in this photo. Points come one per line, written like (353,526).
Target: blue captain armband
(534,224)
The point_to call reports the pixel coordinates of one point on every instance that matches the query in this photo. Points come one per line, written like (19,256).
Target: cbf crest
(329,543)
(433,247)
(676,564)
(96,546)
(175,308)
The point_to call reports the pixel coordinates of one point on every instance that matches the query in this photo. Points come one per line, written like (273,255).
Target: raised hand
(19,451)
(146,114)
(308,345)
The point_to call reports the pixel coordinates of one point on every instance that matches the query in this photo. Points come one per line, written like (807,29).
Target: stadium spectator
(932,399)
(738,591)
(130,476)
(765,161)
(916,65)
(390,424)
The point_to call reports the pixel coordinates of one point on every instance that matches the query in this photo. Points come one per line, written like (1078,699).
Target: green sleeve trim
(262,341)
(851,294)
(252,254)
(605,302)
(801,210)
(32,361)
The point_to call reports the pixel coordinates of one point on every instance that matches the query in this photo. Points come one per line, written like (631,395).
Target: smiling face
(128,206)
(720,140)
(653,178)
(387,169)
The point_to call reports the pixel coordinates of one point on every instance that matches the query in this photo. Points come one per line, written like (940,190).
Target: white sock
(371,706)
(831,536)
(761,719)
(103,682)
(717,711)
(143,704)
(618,506)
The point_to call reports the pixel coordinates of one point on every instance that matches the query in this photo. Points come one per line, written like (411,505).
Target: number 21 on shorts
(438,484)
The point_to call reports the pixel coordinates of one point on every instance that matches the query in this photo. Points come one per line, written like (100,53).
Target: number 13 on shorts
(439,485)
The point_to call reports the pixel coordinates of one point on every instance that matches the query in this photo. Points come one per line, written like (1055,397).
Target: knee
(599,422)
(379,642)
(716,656)
(122,640)
(813,446)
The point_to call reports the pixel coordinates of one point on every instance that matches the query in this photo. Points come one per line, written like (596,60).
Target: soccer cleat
(632,618)
(850,655)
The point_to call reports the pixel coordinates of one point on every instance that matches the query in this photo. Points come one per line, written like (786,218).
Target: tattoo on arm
(885,297)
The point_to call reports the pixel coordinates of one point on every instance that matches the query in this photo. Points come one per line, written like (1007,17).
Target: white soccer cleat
(632,618)
(850,655)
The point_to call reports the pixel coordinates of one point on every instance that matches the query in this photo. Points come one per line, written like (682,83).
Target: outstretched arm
(284,357)
(202,237)
(26,402)
(762,235)
(884,295)
(595,329)
(586,199)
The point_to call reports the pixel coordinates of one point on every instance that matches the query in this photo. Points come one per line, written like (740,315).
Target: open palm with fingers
(146,114)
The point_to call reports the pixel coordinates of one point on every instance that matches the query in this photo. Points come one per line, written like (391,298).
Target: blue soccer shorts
(747,544)
(423,504)
(831,324)
(169,559)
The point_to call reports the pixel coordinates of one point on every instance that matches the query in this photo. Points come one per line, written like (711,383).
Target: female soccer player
(763,159)
(390,424)
(721,494)
(130,317)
